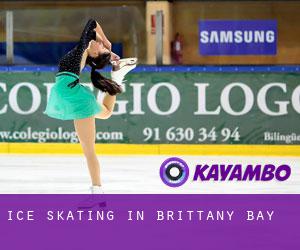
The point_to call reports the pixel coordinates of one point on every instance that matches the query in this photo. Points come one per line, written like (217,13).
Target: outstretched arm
(101,36)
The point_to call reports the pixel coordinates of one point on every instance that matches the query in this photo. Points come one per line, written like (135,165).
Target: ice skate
(121,68)
(95,199)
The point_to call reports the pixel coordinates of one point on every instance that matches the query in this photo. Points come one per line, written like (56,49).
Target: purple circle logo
(174,172)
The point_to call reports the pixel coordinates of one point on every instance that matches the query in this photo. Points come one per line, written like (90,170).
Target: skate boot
(121,68)
(95,199)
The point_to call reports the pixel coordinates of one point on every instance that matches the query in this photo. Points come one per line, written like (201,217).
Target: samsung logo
(237,36)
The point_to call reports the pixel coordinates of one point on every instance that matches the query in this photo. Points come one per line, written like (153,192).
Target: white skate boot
(121,68)
(96,198)
(96,190)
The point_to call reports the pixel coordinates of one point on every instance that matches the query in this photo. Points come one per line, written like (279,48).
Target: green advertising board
(163,108)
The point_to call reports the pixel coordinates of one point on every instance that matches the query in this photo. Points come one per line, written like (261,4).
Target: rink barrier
(159,149)
(171,68)
(153,149)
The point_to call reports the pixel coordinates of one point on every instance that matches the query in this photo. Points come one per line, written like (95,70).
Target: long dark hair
(100,82)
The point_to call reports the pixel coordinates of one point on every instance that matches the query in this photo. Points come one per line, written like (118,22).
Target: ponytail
(104,84)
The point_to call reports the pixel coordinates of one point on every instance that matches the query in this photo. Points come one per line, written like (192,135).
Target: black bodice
(71,61)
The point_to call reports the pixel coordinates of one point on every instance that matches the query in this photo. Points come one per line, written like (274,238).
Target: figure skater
(70,100)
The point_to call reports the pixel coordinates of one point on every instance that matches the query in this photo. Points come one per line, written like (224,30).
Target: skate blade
(100,204)
(127,61)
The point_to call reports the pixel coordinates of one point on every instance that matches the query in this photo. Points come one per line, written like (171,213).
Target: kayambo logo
(174,172)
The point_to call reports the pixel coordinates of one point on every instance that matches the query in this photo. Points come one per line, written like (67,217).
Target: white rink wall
(41,174)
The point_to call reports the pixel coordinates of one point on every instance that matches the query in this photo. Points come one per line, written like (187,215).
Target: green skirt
(69,101)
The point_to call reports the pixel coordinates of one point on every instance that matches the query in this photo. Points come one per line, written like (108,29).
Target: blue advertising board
(237,37)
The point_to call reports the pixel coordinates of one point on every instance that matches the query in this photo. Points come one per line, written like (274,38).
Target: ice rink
(129,174)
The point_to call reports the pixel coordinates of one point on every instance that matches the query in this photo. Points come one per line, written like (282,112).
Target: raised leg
(107,107)
(117,75)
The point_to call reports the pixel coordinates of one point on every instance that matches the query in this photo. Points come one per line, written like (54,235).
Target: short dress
(69,99)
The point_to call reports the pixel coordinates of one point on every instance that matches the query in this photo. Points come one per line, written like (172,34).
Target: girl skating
(70,100)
